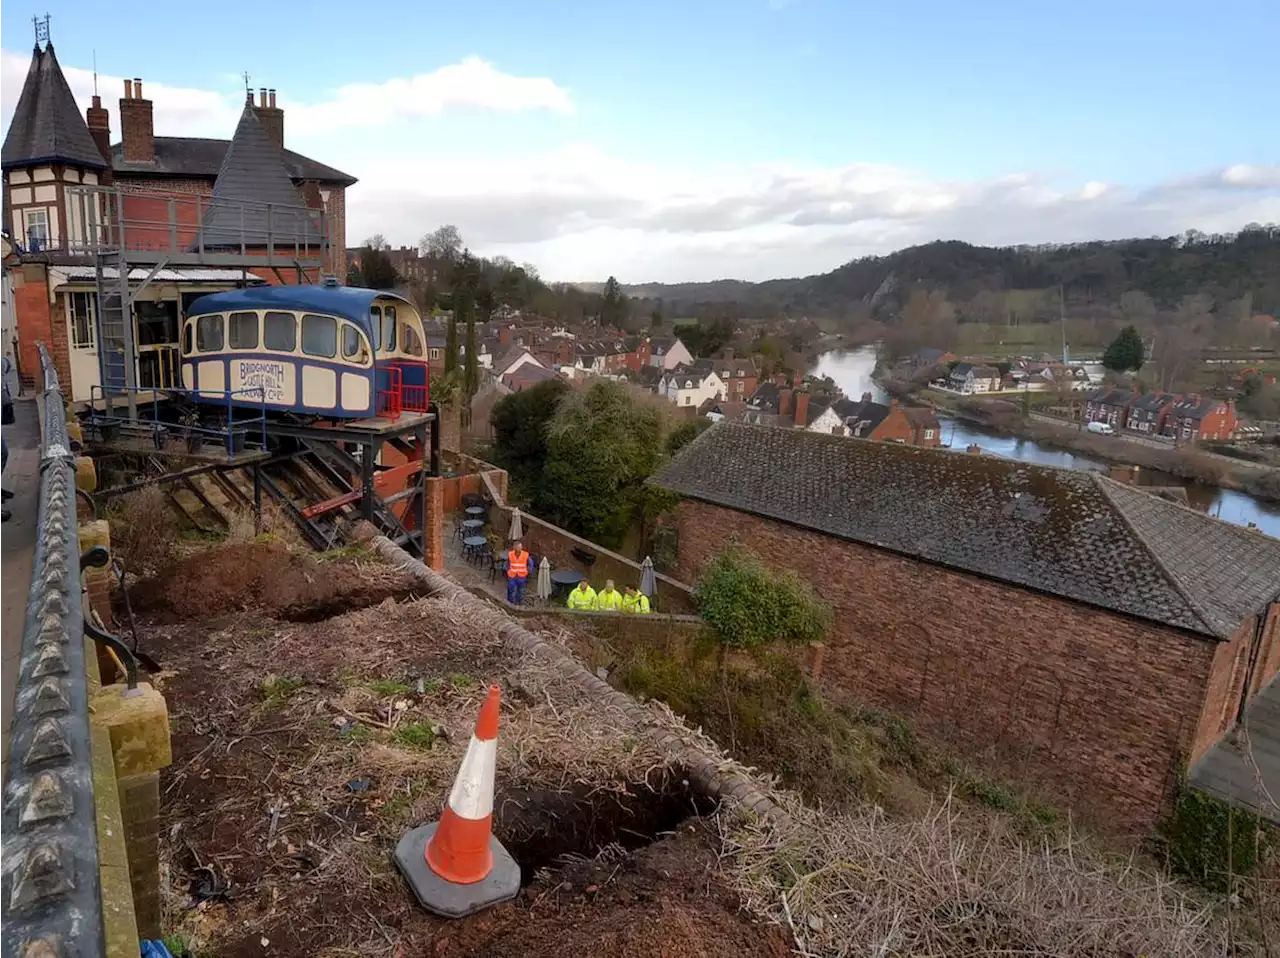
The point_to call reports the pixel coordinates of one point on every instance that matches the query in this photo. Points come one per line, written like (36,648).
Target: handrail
(246,394)
(51,887)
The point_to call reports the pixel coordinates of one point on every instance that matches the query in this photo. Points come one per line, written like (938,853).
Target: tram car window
(327,351)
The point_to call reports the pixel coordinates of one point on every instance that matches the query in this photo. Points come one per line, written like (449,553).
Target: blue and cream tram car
(336,352)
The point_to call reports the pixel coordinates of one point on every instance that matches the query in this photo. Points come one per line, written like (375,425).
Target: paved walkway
(1245,769)
(17,542)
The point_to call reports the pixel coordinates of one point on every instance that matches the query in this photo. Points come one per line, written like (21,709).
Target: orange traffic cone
(456,866)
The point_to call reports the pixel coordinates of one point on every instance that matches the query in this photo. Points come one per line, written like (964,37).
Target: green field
(998,340)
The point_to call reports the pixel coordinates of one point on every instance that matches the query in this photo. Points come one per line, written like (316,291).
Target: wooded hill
(1095,276)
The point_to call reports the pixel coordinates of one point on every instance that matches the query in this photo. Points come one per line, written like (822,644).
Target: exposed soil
(267,576)
(304,749)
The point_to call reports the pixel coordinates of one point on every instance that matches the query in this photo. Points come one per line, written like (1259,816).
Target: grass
(418,735)
(276,689)
(385,688)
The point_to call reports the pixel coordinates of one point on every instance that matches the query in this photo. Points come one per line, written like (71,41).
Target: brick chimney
(270,116)
(784,402)
(802,408)
(504,335)
(137,125)
(99,122)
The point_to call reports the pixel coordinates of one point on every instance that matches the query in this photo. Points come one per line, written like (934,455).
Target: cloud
(580,213)
(472,84)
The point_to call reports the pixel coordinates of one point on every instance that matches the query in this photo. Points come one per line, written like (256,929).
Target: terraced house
(1079,634)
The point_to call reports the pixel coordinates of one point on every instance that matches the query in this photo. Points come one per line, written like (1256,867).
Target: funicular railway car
(332,352)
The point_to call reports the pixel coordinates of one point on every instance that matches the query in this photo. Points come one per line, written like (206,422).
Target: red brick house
(1196,417)
(1108,405)
(740,377)
(67,189)
(889,423)
(1079,634)
(1149,412)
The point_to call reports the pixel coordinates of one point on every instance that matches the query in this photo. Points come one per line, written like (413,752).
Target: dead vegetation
(305,747)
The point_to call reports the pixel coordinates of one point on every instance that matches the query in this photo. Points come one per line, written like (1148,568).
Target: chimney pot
(262,97)
(137,125)
(271,95)
(97,102)
(128,89)
(802,408)
(137,88)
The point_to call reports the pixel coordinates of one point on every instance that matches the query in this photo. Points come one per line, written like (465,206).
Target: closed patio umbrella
(648,580)
(517,526)
(543,590)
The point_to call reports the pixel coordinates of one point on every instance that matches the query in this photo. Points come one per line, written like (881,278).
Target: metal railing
(51,888)
(236,436)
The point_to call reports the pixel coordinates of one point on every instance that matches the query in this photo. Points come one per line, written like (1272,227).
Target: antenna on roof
(95,72)
(42,29)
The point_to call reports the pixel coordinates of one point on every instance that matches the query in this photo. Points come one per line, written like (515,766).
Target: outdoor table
(562,580)
(473,546)
(475,510)
(472,525)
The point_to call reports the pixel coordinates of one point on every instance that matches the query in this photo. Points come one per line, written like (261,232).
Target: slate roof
(512,355)
(766,396)
(47,124)
(1152,402)
(868,414)
(195,156)
(1111,397)
(1078,535)
(1195,407)
(252,176)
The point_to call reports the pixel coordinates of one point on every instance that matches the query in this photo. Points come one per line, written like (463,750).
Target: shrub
(750,606)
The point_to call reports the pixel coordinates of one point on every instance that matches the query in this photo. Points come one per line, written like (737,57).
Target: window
(388,328)
(209,333)
(409,340)
(280,332)
(319,335)
(739,385)
(688,400)
(186,339)
(80,310)
(352,344)
(37,226)
(242,330)
(928,434)
(435,354)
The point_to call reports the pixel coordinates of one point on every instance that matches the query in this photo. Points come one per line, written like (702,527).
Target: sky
(708,139)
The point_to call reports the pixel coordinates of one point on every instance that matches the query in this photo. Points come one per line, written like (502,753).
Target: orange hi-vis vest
(517,565)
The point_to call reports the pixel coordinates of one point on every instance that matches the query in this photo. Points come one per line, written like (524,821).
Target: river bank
(1191,464)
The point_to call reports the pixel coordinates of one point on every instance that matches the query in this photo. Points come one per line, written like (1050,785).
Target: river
(852,369)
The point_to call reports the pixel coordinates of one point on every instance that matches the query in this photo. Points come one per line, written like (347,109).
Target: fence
(52,891)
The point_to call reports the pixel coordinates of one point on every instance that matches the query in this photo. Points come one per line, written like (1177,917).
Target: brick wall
(1092,709)
(337,207)
(33,317)
(1230,671)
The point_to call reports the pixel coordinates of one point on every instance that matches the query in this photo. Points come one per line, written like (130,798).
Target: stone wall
(1095,710)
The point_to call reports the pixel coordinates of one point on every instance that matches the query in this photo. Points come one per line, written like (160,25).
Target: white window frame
(29,217)
(928,434)
(91,317)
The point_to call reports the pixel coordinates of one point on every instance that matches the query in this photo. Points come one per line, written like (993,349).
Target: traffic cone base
(452,899)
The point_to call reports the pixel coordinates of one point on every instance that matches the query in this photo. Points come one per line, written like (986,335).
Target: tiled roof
(1073,534)
(865,416)
(1195,407)
(1111,397)
(1152,401)
(201,157)
(47,125)
(921,416)
(253,178)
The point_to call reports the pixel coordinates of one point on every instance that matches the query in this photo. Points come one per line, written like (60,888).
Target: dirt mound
(236,576)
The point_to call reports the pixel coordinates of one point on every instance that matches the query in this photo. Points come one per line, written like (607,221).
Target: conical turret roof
(254,191)
(47,124)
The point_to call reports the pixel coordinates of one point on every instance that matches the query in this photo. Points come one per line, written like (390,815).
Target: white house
(828,421)
(667,352)
(513,359)
(974,378)
(692,385)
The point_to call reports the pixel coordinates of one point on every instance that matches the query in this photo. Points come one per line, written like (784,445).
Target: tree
(451,345)
(471,372)
(520,424)
(613,304)
(375,270)
(685,433)
(443,244)
(1126,352)
(601,447)
(750,606)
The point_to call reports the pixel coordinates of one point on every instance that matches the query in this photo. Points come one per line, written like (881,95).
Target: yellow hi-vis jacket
(638,603)
(608,600)
(584,599)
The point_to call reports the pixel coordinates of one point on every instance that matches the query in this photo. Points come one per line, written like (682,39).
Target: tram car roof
(347,302)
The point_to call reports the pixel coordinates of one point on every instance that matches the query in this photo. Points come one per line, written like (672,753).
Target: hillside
(1095,275)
